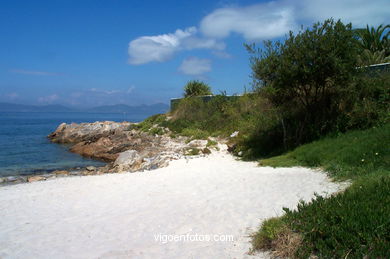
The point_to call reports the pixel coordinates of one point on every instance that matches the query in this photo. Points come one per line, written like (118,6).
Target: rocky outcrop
(125,148)
(75,133)
(121,145)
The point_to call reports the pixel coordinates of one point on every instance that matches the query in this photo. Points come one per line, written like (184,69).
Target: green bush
(314,88)
(353,224)
(148,123)
(196,88)
(221,115)
(308,78)
(268,232)
(194,133)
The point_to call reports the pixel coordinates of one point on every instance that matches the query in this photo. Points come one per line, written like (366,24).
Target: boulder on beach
(129,160)
(35,178)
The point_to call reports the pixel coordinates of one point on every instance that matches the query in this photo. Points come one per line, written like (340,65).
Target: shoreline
(66,172)
(119,145)
(118,215)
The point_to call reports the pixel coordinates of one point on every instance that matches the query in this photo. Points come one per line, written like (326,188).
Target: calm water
(25,149)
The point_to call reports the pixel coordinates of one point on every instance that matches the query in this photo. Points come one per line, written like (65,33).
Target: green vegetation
(312,105)
(192,152)
(375,45)
(351,224)
(196,88)
(211,143)
(275,235)
(220,116)
(347,156)
(314,88)
(149,123)
(319,96)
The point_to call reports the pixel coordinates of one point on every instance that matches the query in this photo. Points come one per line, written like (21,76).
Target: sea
(25,149)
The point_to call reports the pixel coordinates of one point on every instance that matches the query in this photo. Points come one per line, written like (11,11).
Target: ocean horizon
(25,148)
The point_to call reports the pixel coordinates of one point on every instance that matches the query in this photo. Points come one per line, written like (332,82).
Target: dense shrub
(196,88)
(315,88)
(372,100)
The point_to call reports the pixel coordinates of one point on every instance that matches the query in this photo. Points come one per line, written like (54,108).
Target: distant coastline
(117,108)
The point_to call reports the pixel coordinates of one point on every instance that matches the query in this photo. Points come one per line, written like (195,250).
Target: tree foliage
(196,88)
(374,43)
(374,39)
(308,78)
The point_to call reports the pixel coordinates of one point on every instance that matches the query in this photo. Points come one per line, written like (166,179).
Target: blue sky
(99,52)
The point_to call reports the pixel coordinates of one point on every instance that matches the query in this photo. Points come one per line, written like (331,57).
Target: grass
(347,156)
(220,116)
(198,119)
(352,224)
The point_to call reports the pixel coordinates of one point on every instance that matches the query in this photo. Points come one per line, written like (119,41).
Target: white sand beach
(122,215)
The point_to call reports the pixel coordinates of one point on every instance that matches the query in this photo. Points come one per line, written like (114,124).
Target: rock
(74,173)
(161,160)
(101,149)
(240,153)
(60,172)
(11,179)
(200,143)
(234,134)
(129,160)
(1,180)
(231,147)
(35,178)
(123,146)
(74,133)
(90,168)
(86,172)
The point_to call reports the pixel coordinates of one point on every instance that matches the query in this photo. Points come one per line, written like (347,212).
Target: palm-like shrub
(196,88)
(368,57)
(375,44)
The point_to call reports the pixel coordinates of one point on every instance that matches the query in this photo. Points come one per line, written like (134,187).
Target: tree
(368,57)
(307,78)
(374,43)
(374,39)
(196,88)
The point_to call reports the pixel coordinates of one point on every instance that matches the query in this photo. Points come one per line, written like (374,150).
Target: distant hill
(118,108)
(11,107)
(123,108)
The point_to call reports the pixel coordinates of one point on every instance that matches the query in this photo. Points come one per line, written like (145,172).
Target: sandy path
(121,215)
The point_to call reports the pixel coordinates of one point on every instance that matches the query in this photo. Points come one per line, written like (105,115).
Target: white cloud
(162,47)
(48,99)
(359,12)
(255,22)
(276,18)
(195,66)
(32,72)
